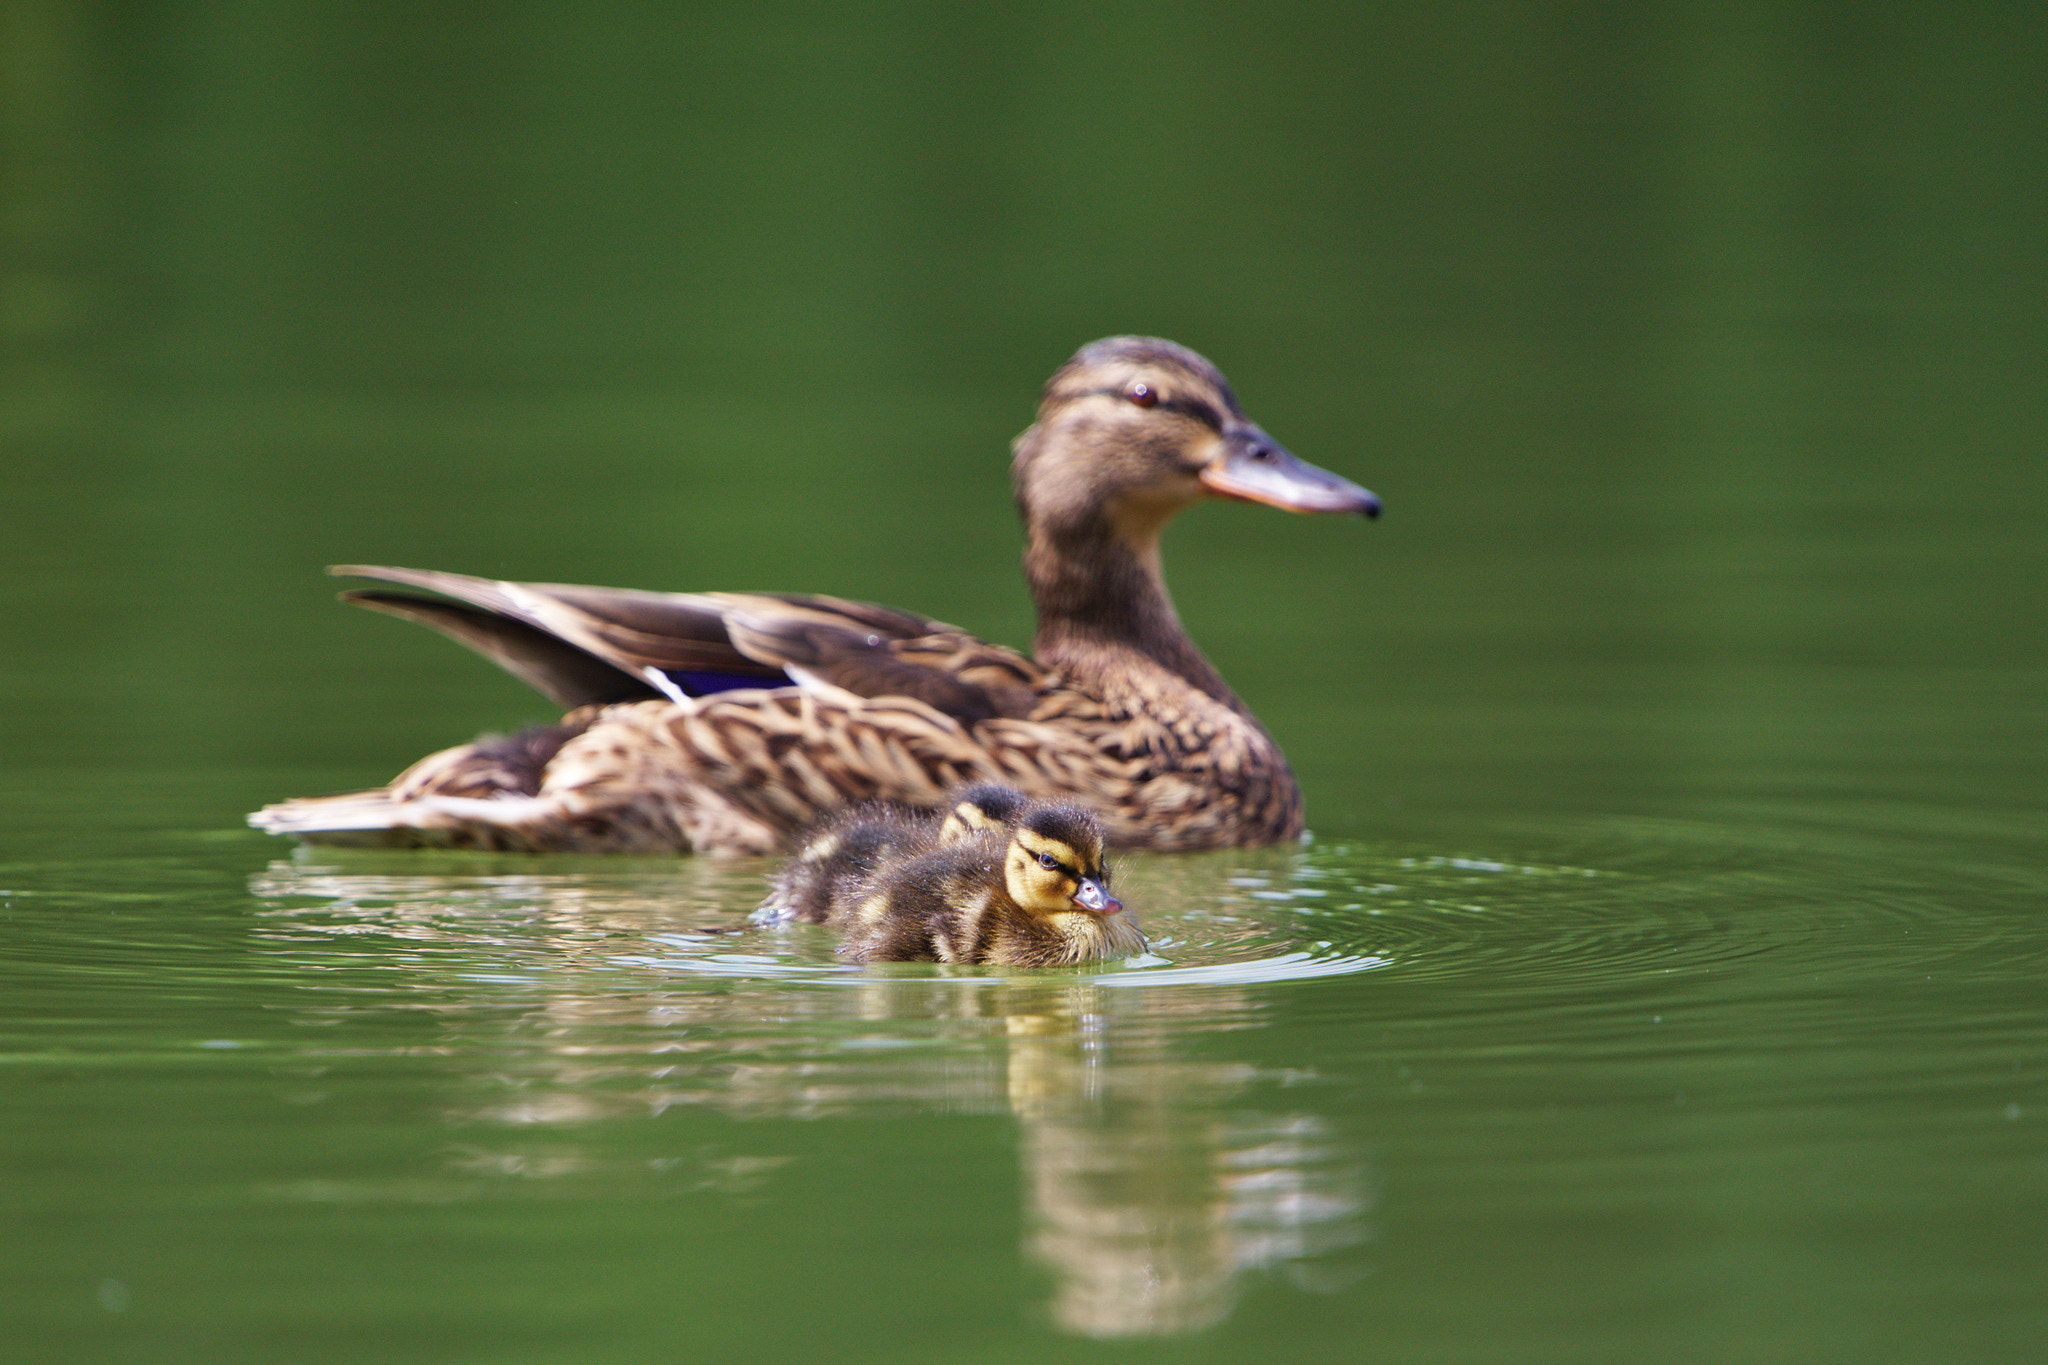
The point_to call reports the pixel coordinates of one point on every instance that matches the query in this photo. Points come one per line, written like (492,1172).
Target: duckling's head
(1054,863)
(1133,429)
(979,808)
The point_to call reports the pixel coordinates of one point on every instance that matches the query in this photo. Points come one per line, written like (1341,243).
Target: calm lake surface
(1667,977)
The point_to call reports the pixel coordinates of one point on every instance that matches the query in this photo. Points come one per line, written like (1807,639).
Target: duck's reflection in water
(1152,1181)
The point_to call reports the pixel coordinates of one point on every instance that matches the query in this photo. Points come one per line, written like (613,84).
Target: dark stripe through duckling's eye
(1048,862)
(1144,395)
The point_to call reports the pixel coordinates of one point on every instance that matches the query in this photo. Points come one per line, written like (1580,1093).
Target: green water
(1664,981)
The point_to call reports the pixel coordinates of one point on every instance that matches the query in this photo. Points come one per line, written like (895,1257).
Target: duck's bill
(1263,472)
(1093,895)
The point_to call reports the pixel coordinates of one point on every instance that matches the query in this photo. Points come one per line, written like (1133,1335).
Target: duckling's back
(830,870)
(837,858)
(928,908)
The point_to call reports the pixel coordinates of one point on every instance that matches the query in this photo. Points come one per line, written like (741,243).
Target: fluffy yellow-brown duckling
(830,870)
(1033,895)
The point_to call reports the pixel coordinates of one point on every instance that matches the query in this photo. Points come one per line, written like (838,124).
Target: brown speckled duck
(726,722)
(835,858)
(1033,895)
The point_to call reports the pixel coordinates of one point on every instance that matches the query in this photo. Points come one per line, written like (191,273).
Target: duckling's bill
(1094,896)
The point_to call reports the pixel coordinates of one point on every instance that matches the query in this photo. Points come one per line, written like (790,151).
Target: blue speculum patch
(698,684)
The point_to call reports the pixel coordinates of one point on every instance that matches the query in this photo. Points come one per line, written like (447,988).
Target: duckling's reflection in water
(1145,1195)
(1152,1183)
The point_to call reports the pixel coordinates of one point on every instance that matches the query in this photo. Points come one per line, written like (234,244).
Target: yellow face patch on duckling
(1050,876)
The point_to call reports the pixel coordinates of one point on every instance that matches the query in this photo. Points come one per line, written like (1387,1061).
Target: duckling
(1033,895)
(836,857)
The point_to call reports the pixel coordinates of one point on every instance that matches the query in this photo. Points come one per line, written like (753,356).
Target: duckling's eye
(1048,862)
(1144,395)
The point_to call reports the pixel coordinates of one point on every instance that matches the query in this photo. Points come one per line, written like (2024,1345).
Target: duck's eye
(1048,862)
(1144,395)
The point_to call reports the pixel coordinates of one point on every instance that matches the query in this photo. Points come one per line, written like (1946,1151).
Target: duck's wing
(579,645)
(575,645)
(945,668)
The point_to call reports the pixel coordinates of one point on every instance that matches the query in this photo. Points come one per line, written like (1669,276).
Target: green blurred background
(1674,744)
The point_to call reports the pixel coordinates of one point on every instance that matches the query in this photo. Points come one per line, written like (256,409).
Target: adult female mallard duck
(724,722)
(1034,894)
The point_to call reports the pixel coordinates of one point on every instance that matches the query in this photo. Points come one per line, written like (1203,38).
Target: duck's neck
(1102,604)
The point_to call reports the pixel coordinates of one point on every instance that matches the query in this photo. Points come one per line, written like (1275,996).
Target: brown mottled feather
(1118,709)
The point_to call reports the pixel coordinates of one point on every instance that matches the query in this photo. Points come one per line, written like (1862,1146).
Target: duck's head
(982,807)
(1054,863)
(1134,429)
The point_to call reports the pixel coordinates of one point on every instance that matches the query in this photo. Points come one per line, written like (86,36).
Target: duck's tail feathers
(379,819)
(480,795)
(371,818)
